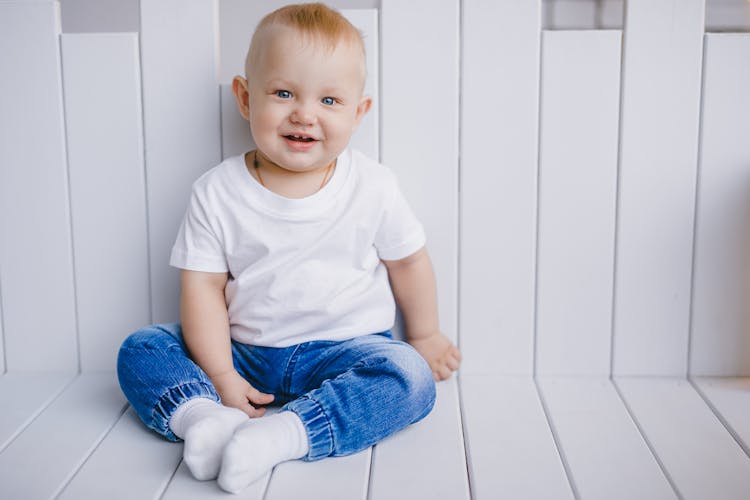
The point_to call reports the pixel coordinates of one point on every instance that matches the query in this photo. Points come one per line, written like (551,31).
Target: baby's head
(303,86)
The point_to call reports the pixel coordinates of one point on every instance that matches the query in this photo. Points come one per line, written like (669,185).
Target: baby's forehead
(268,41)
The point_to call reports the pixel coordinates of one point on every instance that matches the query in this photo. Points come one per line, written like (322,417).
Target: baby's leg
(373,387)
(174,397)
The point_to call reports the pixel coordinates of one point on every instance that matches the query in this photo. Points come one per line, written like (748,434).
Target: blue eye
(284,94)
(328,101)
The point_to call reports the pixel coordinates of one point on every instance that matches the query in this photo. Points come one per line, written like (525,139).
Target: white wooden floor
(75,437)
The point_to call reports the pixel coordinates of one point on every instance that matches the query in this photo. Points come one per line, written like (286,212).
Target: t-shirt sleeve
(197,247)
(400,233)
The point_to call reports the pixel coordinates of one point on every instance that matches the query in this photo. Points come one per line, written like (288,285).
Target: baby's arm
(205,328)
(413,284)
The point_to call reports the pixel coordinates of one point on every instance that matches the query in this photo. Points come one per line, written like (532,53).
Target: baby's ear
(242,95)
(363,107)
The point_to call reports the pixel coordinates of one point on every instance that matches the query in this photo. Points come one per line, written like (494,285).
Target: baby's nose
(303,115)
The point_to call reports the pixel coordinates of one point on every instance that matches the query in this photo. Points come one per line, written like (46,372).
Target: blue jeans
(349,395)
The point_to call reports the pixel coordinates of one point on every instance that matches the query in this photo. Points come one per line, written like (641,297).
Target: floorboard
(70,438)
(606,455)
(426,460)
(340,478)
(512,453)
(41,460)
(29,393)
(131,463)
(730,397)
(185,487)
(699,454)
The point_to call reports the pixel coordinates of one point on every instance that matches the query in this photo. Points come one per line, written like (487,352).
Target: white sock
(259,445)
(206,426)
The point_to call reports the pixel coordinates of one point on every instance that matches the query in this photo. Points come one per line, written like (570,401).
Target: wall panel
(367,136)
(577,189)
(2,337)
(103,118)
(38,293)
(419,127)
(499,132)
(235,130)
(182,126)
(658,161)
(721,295)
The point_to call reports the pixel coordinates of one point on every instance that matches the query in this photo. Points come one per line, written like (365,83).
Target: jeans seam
(289,369)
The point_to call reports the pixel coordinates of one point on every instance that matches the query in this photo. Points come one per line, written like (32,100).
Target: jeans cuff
(319,434)
(173,398)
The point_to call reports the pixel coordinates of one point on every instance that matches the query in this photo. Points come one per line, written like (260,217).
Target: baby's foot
(206,426)
(204,443)
(258,445)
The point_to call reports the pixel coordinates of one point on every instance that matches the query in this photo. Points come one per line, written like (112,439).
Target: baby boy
(292,255)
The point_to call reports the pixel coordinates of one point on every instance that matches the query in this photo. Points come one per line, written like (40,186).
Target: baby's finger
(455,353)
(252,411)
(452,363)
(246,408)
(259,398)
(444,372)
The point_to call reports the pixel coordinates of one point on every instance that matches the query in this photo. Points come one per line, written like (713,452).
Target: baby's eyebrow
(278,82)
(332,90)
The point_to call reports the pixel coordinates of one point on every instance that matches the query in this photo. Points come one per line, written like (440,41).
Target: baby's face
(305,101)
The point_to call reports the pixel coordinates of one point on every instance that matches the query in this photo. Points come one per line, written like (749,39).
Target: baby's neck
(287,183)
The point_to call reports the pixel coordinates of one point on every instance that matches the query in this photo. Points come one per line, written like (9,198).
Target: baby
(291,257)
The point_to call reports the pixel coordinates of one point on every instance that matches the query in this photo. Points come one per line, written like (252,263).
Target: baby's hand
(237,392)
(440,353)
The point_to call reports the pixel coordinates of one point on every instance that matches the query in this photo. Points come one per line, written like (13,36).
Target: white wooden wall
(586,195)
(598,226)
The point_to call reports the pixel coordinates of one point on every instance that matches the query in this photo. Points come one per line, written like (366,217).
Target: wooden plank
(315,480)
(500,51)
(730,399)
(611,14)
(236,138)
(603,448)
(181,123)
(2,336)
(700,456)
(570,14)
(727,15)
(107,186)
(435,444)
(99,16)
(27,395)
(35,250)
(366,138)
(721,318)
(419,138)
(60,439)
(658,162)
(130,455)
(577,184)
(185,487)
(511,454)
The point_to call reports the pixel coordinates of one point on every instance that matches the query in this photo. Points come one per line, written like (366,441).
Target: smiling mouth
(298,138)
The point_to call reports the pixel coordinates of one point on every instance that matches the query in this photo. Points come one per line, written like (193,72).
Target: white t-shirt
(300,269)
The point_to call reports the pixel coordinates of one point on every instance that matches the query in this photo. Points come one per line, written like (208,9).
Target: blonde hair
(315,20)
